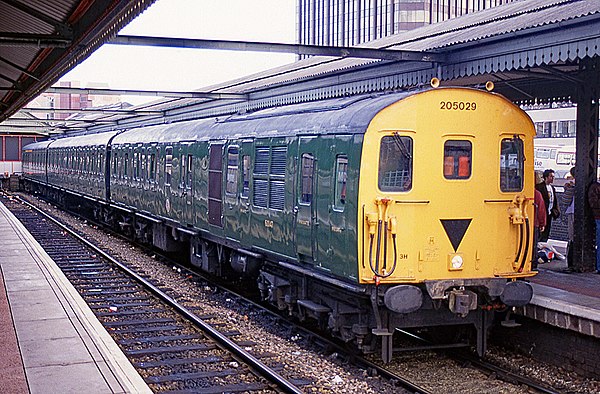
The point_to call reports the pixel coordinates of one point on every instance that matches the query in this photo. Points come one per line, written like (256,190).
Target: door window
(511,165)
(341,178)
(308,165)
(232,170)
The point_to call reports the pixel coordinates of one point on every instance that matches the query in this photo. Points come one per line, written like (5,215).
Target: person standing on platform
(539,222)
(549,195)
(594,201)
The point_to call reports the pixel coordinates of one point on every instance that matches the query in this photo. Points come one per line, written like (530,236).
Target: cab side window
(511,165)
(395,163)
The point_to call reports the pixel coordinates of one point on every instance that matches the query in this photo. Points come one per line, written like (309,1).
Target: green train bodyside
(263,216)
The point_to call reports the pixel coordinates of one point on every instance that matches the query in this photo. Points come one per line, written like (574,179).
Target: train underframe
(356,314)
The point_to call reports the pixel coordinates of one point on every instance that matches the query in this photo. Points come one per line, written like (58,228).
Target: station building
(352,22)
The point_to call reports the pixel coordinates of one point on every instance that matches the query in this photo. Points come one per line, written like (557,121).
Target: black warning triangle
(456,229)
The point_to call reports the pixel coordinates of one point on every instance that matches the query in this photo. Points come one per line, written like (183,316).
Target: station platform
(51,340)
(565,299)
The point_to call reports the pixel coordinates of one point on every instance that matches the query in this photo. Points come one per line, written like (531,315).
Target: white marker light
(457,262)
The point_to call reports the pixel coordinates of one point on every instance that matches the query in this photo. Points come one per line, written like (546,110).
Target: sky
(173,69)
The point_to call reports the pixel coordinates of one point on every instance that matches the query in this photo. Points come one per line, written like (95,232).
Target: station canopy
(533,50)
(42,40)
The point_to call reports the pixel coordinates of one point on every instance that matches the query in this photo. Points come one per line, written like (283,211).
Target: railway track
(151,369)
(175,349)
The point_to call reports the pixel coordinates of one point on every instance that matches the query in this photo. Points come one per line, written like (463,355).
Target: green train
(366,213)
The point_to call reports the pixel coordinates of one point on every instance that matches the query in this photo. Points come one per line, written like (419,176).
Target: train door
(181,183)
(231,197)
(306,201)
(187,181)
(338,248)
(245,211)
(236,214)
(215,184)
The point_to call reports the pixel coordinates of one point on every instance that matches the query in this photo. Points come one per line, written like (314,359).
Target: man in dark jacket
(549,195)
(594,201)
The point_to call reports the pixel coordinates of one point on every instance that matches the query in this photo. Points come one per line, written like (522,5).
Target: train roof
(37,145)
(347,115)
(83,140)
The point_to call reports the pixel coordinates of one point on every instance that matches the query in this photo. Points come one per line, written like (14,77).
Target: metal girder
(317,50)
(37,40)
(584,237)
(129,92)
(53,122)
(91,111)
(17,67)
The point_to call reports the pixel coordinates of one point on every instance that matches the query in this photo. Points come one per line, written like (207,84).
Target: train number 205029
(458,105)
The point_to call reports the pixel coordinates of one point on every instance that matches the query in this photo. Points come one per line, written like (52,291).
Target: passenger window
(188,177)
(168,165)
(245,176)
(232,170)
(395,163)
(115,171)
(182,171)
(126,163)
(152,168)
(457,159)
(136,166)
(144,166)
(511,165)
(308,166)
(341,177)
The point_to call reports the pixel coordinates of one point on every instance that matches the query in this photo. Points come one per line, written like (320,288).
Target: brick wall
(566,349)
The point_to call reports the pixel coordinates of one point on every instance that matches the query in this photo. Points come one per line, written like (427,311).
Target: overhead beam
(19,68)
(317,50)
(52,122)
(158,93)
(90,111)
(31,129)
(38,40)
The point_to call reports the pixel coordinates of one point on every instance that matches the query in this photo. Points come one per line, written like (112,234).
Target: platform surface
(565,299)
(51,340)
